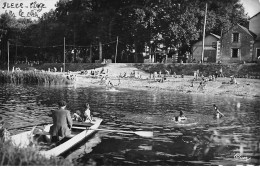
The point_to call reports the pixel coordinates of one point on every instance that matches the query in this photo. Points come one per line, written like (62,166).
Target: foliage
(173,23)
(32,77)
(14,156)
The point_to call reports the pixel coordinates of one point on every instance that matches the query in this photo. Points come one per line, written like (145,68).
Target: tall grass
(32,77)
(13,156)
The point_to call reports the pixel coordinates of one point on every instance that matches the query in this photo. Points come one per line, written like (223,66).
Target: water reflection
(205,141)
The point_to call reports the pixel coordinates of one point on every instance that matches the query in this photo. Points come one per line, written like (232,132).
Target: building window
(235,37)
(235,53)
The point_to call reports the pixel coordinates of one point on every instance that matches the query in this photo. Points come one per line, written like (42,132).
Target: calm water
(233,140)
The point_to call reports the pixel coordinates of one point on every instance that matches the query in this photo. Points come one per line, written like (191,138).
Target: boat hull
(24,139)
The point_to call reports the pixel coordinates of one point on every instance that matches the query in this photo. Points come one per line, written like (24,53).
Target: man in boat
(62,123)
(218,114)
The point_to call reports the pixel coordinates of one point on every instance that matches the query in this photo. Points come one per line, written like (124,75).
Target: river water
(232,140)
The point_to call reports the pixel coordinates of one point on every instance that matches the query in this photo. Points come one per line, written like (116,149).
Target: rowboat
(80,131)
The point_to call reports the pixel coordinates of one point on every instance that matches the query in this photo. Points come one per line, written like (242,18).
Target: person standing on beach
(62,123)
(221,72)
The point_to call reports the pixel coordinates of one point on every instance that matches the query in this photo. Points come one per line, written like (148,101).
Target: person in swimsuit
(217,114)
(181,117)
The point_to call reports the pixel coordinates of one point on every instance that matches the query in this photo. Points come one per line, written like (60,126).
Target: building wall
(254,24)
(244,44)
(197,47)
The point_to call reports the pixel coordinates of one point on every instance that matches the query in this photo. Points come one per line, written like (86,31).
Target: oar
(139,133)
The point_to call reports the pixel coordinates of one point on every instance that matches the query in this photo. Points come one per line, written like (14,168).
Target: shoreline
(246,88)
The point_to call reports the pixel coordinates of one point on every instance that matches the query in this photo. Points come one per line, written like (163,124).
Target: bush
(32,77)
(13,156)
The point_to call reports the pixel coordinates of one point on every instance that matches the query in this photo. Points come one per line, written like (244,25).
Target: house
(254,26)
(237,45)
(211,49)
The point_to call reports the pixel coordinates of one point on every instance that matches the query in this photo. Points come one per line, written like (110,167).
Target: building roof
(254,15)
(247,31)
(217,36)
(211,34)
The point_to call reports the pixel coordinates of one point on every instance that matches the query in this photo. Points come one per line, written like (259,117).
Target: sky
(252,7)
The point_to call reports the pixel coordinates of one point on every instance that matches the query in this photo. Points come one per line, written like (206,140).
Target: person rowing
(62,123)
(181,117)
(218,114)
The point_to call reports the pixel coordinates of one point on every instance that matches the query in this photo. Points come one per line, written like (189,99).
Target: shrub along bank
(31,77)
(14,156)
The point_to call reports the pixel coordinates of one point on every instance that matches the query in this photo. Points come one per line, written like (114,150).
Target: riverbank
(245,87)
(248,84)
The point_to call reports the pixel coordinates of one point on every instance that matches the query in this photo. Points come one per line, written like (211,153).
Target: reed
(14,156)
(32,77)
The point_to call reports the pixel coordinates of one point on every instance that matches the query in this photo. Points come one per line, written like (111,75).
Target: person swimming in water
(181,117)
(217,114)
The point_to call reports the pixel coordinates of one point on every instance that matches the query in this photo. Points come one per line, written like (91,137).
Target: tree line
(93,25)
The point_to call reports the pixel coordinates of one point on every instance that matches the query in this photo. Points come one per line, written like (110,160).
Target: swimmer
(181,117)
(217,114)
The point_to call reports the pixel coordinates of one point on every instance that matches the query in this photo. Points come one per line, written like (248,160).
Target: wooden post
(203,40)
(64,55)
(8,54)
(90,52)
(100,51)
(116,48)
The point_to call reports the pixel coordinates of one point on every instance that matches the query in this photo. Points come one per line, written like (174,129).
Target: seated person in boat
(76,116)
(87,115)
(217,114)
(62,122)
(181,117)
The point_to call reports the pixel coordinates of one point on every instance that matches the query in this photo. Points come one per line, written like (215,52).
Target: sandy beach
(245,88)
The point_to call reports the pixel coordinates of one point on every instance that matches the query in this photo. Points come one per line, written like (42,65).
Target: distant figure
(221,72)
(202,85)
(174,75)
(192,82)
(167,72)
(216,74)
(217,114)
(102,71)
(62,122)
(233,80)
(87,115)
(181,117)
